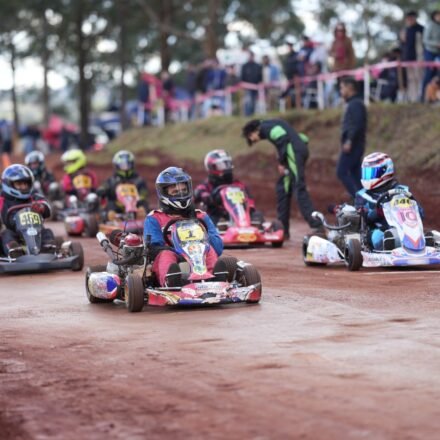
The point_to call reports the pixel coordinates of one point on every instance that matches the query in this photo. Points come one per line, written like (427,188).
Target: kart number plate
(235,195)
(82,182)
(401,202)
(194,233)
(127,191)
(29,218)
(247,237)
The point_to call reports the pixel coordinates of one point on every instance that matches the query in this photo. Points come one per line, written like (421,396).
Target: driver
(17,189)
(174,190)
(377,178)
(124,172)
(218,164)
(35,162)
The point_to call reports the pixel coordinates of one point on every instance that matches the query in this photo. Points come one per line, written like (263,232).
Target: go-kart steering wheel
(166,229)
(387,196)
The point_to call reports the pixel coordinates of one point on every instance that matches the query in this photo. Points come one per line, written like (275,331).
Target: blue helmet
(17,173)
(174,190)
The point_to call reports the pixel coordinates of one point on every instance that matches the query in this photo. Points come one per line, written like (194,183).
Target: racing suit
(45,178)
(108,190)
(163,258)
(70,188)
(292,154)
(214,206)
(9,237)
(375,219)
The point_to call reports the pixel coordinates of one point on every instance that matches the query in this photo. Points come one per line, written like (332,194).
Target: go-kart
(132,219)
(241,227)
(128,276)
(38,258)
(80,211)
(404,243)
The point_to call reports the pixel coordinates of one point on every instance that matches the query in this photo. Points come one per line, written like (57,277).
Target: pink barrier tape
(358,74)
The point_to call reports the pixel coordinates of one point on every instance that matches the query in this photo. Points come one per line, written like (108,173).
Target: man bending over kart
(124,172)
(17,189)
(218,164)
(377,178)
(174,190)
(293,153)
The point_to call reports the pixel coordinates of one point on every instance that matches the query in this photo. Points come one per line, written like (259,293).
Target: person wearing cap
(431,43)
(293,153)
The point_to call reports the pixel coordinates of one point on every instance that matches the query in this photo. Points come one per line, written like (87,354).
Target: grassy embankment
(410,134)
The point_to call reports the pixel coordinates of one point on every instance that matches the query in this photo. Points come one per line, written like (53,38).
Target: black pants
(349,170)
(8,237)
(298,187)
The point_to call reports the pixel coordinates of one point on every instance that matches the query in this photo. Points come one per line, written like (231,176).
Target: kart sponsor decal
(29,218)
(82,181)
(235,195)
(193,232)
(31,231)
(246,237)
(126,191)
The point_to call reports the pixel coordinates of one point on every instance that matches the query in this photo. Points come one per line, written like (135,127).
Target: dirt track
(327,354)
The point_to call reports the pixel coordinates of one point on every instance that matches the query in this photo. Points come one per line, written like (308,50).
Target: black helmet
(35,162)
(12,175)
(176,179)
(218,163)
(123,162)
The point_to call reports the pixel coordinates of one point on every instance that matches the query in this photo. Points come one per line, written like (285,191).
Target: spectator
(168,93)
(291,71)
(31,135)
(216,82)
(411,39)
(5,142)
(342,50)
(353,137)
(232,79)
(191,88)
(431,43)
(388,81)
(271,81)
(251,73)
(304,56)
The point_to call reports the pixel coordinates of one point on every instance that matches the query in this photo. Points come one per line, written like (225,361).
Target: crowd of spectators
(268,83)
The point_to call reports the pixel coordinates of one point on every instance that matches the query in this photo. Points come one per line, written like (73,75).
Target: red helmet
(218,163)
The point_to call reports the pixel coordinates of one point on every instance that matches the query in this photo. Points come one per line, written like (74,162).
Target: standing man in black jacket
(293,153)
(353,137)
(252,73)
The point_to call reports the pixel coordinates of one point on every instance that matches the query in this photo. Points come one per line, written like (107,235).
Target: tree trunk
(45,63)
(210,43)
(166,12)
(122,63)
(13,89)
(83,83)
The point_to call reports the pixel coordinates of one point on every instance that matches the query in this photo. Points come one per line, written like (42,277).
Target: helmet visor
(223,165)
(124,164)
(177,190)
(370,173)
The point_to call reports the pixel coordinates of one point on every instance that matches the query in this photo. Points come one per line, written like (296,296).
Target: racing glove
(39,207)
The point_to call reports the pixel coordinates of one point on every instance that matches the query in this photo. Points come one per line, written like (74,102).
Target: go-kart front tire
(353,255)
(231,266)
(134,293)
(92,299)
(77,250)
(249,276)
(277,226)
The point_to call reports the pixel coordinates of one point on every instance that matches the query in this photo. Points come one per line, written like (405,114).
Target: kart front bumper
(400,257)
(37,263)
(250,236)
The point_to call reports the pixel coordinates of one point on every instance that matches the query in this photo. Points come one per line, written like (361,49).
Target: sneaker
(174,276)
(220,271)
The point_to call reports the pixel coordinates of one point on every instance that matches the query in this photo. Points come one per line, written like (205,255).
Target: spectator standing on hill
(412,49)
(342,50)
(293,153)
(271,80)
(353,137)
(291,70)
(431,44)
(251,73)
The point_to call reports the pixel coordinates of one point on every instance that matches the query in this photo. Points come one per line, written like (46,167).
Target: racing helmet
(377,169)
(35,162)
(174,190)
(123,161)
(17,181)
(73,160)
(218,164)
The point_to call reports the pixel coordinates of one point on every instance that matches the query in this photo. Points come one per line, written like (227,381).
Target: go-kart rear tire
(305,245)
(231,265)
(249,276)
(77,250)
(92,299)
(91,226)
(353,255)
(59,240)
(134,293)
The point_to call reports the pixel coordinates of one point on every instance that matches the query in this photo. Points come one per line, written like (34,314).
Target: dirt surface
(327,354)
